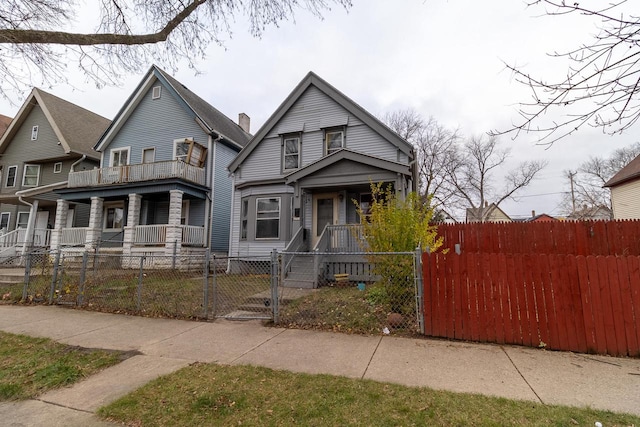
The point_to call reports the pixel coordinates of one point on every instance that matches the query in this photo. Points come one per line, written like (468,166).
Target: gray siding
(155,123)
(222,186)
(22,149)
(196,212)
(311,113)
(81,215)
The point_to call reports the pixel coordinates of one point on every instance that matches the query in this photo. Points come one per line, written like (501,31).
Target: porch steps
(300,274)
(260,303)
(12,276)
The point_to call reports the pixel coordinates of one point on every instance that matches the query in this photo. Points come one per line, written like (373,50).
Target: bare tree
(601,86)
(129,35)
(471,171)
(591,175)
(433,144)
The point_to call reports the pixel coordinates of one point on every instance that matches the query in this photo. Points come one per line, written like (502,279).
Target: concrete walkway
(167,345)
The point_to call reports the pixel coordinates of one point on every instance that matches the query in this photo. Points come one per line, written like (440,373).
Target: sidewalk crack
(257,346)
(521,375)
(375,350)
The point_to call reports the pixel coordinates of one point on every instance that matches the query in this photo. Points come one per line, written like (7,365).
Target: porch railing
(341,238)
(156,234)
(75,236)
(41,237)
(137,173)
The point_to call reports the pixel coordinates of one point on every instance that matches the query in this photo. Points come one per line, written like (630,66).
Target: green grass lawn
(215,395)
(31,366)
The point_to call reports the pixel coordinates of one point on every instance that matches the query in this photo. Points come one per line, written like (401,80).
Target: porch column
(174,231)
(133,220)
(62,212)
(94,232)
(31,225)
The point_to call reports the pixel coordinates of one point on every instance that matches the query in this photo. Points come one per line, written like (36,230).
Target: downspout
(28,238)
(213,143)
(77,162)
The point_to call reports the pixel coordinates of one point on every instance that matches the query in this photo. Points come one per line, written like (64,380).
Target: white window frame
(153,156)
(328,132)
(285,154)
(19,222)
(156,92)
(182,157)
(106,216)
(184,213)
(24,175)
(119,150)
(57,167)
(15,176)
(244,218)
(34,133)
(258,219)
(8,216)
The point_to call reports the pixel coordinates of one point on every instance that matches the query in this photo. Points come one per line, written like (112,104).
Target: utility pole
(570,175)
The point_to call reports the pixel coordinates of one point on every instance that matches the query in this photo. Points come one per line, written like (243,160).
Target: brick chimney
(533,213)
(244,122)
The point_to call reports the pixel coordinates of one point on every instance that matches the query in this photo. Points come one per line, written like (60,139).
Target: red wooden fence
(564,302)
(557,237)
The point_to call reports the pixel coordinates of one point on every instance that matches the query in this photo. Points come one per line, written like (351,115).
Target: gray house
(162,186)
(48,139)
(296,181)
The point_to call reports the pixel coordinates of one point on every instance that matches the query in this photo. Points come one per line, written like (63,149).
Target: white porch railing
(342,238)
(73,236)
(192,235)
(137,173)
(41,237)
(156,234)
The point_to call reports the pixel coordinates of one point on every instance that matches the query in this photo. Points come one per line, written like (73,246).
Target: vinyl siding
(22,150)
(252,247)
(312,112)
(222,186)
(625,200)
(155,123)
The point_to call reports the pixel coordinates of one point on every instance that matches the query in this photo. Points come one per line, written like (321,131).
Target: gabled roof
(212,120)
(475,214)
(345,154)
(77,128)
(5,121)
(312,79)
(627,173)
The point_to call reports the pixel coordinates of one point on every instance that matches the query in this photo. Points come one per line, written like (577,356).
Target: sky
(444,59)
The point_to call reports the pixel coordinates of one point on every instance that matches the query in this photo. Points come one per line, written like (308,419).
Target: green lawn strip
(31,366)
(209,394)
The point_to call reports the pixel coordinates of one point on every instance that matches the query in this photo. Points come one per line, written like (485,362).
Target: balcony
(137,173)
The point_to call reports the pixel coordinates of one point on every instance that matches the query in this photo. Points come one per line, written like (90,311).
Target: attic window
(34,133)
(57,167)
(155,93)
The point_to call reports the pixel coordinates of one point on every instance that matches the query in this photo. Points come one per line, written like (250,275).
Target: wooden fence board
(560,303)
(474,317)
(515,330)
(634,284)
(613,288)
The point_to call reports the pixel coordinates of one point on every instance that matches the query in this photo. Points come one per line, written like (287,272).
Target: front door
(41,233)
(325,212)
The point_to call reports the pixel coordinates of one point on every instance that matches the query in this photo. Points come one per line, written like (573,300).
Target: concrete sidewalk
(167,345)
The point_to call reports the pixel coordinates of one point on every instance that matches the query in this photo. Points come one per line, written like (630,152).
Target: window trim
(119,150)
(34,132)
(330,131)
(18,219)
(8,214)
(153,150)
(117,205)
(244,218)
(24,175)
(15,176)
(156,92)
(57,167)
(298,153)
(279,211)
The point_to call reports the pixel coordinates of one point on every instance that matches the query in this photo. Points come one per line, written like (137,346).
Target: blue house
(162,186)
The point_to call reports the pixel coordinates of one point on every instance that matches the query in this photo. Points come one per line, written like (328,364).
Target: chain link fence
(347,292)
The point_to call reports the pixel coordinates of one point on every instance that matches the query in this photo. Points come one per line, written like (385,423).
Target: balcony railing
(137,173)
(342,238)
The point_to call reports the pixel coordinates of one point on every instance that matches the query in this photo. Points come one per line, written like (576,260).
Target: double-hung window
(243,219)
(114,218)
(268,218)
(12,171)
(31,175)
(291,152)
(120,157)
(333,140)
(4,220)
(23,220)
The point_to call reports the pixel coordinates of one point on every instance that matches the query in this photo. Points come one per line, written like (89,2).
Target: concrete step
(302,275)
(298,283)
